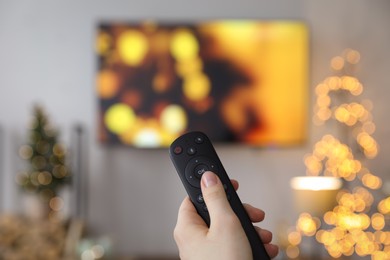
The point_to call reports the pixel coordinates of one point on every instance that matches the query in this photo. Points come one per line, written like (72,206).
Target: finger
(235,184)
(266,238)
(215,197)
(255,214)
(265,235)
(272,250)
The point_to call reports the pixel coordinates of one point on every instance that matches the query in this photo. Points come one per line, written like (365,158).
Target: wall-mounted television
(239,81)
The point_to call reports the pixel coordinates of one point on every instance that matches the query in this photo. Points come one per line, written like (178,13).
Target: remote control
(193,154)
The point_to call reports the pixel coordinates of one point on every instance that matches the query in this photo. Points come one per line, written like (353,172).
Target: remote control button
(200,169)
(191,151)
(196,167)
(200,198)
(178,150)
(205,208)
(199,139)
(228,196)
(225,186)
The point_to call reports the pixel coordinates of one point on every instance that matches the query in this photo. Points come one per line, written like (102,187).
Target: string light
(356,228)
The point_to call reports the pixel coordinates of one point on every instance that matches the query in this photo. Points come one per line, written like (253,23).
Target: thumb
(215,197)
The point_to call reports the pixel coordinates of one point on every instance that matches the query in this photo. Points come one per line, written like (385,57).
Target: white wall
(46,55)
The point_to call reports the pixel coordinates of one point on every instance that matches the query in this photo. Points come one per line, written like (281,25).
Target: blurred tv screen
(239,81)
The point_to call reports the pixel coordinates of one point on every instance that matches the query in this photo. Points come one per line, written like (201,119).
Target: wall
(46,50)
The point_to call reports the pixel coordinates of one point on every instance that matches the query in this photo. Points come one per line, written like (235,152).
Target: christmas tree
(357,225)
(47,171)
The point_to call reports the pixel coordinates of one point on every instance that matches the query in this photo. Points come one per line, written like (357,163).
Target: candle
(315,194)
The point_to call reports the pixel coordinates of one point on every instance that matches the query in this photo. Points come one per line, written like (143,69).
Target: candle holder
(315,194)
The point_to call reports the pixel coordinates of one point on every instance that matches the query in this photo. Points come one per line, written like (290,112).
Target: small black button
(191,151)
(200,198)
(205,208)
(199,139)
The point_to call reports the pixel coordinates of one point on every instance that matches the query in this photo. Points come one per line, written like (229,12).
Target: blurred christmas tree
(359,223)
(46,156)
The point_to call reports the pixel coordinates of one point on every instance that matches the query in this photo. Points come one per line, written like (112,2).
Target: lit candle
(315,194)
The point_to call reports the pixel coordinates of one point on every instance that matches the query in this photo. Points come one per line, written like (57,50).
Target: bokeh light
(196,87)
(174,119)
(132,47)
(107,84)
(184,45)
(356,225)
(119,118)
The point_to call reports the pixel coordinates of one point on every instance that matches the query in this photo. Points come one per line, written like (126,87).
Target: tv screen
(239,81)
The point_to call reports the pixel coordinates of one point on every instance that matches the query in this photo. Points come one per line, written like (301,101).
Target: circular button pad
(196,167)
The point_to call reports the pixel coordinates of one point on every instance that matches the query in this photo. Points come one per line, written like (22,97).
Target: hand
(225,239)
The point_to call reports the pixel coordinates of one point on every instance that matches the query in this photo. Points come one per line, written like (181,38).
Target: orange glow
(107,84)
(216,71)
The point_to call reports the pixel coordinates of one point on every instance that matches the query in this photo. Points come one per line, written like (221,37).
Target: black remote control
(193,154)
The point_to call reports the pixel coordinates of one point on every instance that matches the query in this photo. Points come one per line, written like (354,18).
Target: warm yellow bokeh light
(196,87)
(174,119)
(337,63)
(294,238)
(184,45)
(292,252)
(132,47)
(147,137)
(103,43)
(307,224)
(119,118)
(378,221)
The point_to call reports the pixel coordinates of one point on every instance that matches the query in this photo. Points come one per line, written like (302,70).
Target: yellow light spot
(384,206)
(352,56)
(174,119)
(184,45)
(44,178)
(378,221)
(119,118)
(292,252)
(25,152)
(132,47)
(56,203)
(342,114)
(294,238)
(337,63)
(107,84)
(322,89)
(59,150)
(306,224)
(371,181)
(103,43)
(196,87)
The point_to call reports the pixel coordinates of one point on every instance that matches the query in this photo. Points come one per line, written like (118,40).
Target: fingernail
(209,179)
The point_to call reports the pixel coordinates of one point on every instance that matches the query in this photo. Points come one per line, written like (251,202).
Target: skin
(225,239)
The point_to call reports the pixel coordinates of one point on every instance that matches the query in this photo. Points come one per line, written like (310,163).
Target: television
(239,81)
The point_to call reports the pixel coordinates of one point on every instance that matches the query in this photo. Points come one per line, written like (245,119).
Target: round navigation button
(200,169)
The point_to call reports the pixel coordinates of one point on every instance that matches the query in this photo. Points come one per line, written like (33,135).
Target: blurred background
(94,199)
